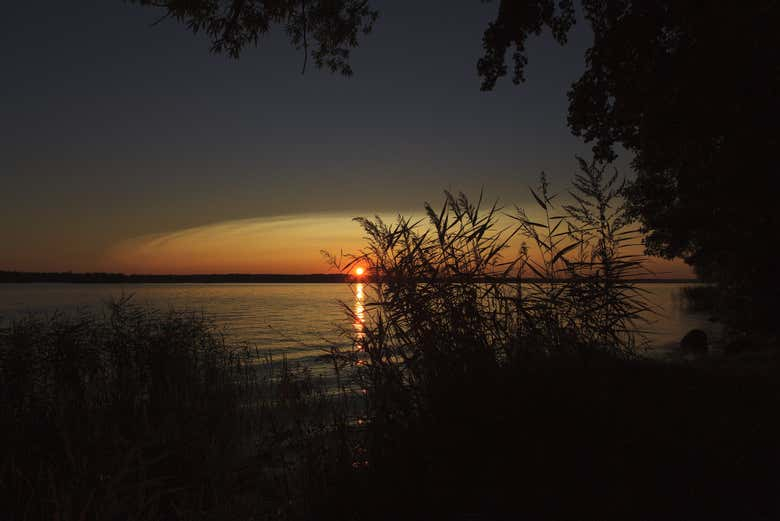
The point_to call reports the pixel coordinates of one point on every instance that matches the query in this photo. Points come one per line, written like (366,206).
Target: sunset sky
(130,148)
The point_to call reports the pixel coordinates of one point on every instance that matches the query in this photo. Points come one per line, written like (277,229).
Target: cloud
(284,244)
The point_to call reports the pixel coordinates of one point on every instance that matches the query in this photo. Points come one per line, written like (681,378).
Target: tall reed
(581,293)
(459,305)
(456,296)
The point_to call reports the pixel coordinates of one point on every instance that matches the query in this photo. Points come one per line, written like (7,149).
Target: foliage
(330,27)
(515,22)
(695,107)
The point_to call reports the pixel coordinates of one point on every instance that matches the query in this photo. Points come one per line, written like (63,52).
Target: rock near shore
(695,341)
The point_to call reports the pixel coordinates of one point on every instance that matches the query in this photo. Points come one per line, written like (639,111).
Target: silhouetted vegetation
(569,289)
(495,368)
(499,399)
(688,88)
(331,28)
(138,414)
(655,85)
(482,380)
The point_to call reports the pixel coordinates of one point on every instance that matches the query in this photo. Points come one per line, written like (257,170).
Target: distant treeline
(121,278)
(102,278)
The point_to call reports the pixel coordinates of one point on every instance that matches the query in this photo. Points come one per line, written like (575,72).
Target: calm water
(298,319)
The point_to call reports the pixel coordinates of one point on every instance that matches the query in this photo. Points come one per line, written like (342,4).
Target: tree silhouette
(691,89)
(326,29)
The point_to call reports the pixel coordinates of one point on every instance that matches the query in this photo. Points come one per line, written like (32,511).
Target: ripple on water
(299,320)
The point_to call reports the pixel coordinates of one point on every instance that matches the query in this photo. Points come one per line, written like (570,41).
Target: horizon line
(12,276)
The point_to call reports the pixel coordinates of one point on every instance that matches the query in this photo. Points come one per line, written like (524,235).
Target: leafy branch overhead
(326,29)
(516,21)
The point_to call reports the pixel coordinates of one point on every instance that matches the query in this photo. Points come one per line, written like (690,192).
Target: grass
(137,414)
(450,304)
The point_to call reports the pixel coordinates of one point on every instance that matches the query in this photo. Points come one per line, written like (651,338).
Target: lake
(300,320)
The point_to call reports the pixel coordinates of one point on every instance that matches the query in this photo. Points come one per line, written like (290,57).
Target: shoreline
(16,277)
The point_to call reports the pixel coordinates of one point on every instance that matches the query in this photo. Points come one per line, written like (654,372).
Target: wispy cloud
(283,244)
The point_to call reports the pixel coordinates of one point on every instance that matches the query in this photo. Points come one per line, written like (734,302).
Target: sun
(359,271)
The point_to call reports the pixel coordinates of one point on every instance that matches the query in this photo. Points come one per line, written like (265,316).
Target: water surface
(300,320)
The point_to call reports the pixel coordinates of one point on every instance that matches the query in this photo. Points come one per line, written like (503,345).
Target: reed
(581,294)
(140,414)
(498,357)
(454,299)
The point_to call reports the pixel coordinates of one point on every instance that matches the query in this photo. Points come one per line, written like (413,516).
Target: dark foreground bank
(137,414)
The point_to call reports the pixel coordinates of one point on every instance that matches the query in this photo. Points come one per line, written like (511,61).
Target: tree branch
(305,41)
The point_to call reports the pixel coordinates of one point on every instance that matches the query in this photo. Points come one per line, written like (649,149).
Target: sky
(129,147)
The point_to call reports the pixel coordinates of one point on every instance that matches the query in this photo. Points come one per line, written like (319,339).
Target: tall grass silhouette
(140,414)
(457,296)
(499,360)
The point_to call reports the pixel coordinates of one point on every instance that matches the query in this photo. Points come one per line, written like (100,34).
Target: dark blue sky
(114,129)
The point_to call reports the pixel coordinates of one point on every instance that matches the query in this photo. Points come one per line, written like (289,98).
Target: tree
(691,89)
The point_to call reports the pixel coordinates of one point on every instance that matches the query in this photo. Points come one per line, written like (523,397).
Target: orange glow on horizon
(276,245)
(279,245)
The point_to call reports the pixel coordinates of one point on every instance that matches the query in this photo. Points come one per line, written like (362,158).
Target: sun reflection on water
(359,310)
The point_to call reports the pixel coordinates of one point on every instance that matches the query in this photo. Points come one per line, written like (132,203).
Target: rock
(695,341)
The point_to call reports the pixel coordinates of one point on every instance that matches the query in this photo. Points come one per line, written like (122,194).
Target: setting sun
(359,271)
